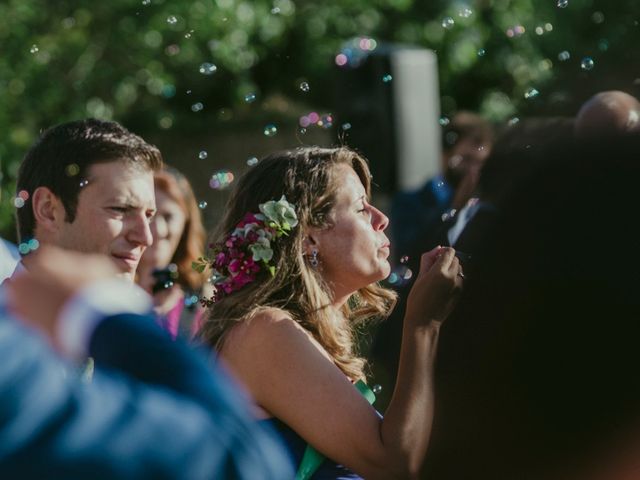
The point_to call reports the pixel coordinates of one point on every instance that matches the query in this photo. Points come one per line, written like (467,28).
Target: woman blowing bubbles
(296,263)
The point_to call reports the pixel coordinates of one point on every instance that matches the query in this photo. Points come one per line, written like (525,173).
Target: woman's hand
(436,289)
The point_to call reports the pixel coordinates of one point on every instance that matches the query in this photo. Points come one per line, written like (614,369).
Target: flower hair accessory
(245,252)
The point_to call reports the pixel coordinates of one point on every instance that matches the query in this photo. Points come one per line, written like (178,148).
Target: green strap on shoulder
(312,459)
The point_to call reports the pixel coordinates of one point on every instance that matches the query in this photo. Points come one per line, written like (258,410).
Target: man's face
(468,153)
(113,214)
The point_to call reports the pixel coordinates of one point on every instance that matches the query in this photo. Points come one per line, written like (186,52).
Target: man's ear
(48,210)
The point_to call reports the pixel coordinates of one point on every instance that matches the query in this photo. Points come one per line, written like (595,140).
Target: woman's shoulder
(265,328)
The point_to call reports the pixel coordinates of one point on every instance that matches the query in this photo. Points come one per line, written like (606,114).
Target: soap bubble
(72,170)
(531,94)
(207,68)
(587,63)
(270,130)
(448,23)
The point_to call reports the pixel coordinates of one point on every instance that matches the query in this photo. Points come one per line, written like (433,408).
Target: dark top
(296,446)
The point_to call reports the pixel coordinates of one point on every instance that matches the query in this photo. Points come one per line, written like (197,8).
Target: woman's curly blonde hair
(306,176)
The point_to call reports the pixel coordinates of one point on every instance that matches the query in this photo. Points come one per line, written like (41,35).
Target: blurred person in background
(537,368)
(165,269)
(9,258)
(608,112)
(415,215)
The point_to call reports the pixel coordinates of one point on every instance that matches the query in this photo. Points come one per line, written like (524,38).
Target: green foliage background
(123,60)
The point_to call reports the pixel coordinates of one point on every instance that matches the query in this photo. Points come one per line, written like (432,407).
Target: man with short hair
(608,112)
(416,215)
(88,187)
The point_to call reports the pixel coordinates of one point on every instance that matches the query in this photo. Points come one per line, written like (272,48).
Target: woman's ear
(309,243)
(48,210)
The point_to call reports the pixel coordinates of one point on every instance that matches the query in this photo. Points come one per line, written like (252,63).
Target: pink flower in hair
(247,250)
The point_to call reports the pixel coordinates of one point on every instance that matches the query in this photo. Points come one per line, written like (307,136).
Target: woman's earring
(313,259)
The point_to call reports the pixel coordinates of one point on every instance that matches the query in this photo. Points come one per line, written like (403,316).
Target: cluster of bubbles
(250,97)
(563,3)
(314,118)
(304,86)
(355,51)
(448,214)
(387,78)
(28,246)
(564,55)
(197,107)
(541,29)
(400,275)
(270,130)
(515,31)
(482,52)
(444,121)
(203,154)
(346,126)
(172,20)
(221,179)
(34,48)
(20,199)
(448,23)
(191,300)
(207,68)
(84,183)
(253,161)
(146,2)
(202,205)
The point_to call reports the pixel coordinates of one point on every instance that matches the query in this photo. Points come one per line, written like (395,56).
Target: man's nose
(140,231)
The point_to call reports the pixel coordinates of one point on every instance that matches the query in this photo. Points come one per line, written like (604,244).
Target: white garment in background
(9,258)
